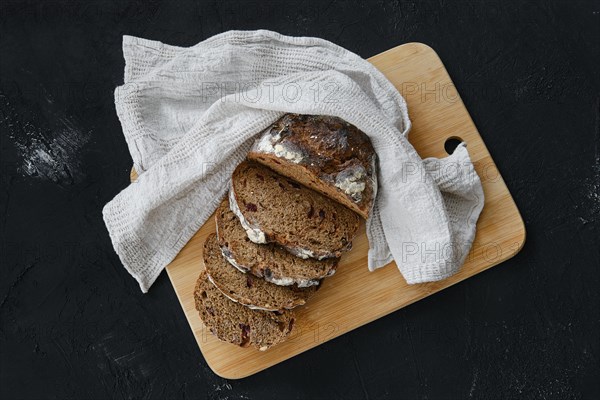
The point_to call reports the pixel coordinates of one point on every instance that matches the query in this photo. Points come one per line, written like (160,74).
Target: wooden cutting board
(354,296)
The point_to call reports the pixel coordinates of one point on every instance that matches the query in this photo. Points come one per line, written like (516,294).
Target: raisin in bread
(268,261)
(273,208)
(326,154)
(246,289)
(232,322)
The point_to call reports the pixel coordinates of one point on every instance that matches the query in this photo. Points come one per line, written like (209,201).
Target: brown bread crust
(324,153)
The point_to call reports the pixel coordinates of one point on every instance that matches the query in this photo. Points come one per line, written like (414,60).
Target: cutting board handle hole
(452,143)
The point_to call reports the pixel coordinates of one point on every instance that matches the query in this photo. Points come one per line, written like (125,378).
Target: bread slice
(324,153)
(232,322)
(268,261)
(246,289)
(272,208)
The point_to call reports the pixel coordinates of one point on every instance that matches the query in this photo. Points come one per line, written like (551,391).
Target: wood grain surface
(354,296)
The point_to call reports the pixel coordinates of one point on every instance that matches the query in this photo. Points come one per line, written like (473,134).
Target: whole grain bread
(247,289)
(324,153)
(273,208)
(268,261)
(232,322)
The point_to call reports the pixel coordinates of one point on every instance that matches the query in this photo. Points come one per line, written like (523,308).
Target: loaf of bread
(273,208)
(279,232)
(234,323)
(268,261)
(324,153)
(247,289)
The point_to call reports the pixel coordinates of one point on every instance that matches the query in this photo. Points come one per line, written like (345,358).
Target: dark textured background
(74,324)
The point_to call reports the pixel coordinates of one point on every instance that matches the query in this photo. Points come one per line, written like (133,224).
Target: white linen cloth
(190,115)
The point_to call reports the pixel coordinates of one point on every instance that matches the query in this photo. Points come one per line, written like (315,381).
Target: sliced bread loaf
(272,208)
(268,261)
(232,322)
(326,154)
(246,289)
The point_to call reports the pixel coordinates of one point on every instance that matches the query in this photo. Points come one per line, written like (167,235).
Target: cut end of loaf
(324,153)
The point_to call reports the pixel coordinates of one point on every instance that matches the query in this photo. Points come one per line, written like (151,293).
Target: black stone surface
(74,324)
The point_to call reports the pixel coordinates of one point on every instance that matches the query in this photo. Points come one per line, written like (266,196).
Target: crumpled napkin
(190,115)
